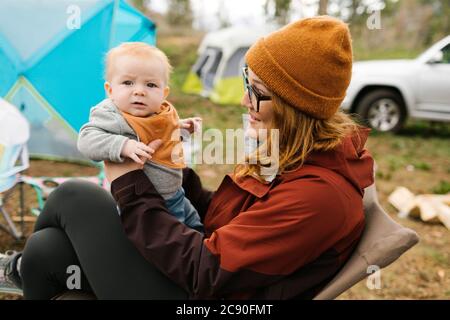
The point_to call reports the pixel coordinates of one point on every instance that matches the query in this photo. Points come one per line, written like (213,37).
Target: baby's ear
(166,92)
(108,88)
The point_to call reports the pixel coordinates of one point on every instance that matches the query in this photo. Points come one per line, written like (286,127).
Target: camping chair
(9,178)
(383,242)
(14,134)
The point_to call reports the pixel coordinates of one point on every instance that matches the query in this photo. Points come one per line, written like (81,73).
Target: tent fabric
(217,71)
(52,72)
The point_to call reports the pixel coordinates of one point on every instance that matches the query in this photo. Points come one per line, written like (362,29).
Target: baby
(135,113)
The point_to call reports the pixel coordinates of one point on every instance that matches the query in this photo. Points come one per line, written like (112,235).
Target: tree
(439,26)
(280,10)
(180,13)
(323,7)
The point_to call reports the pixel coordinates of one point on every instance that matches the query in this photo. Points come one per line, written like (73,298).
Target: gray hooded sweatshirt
(104,136)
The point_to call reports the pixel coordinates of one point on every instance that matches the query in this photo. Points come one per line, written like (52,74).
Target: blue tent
(51,63)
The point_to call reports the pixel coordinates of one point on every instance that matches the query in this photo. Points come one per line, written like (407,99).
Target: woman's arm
(175,249)
(255,250)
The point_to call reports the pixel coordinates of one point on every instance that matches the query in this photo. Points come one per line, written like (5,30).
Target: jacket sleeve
(252,252)
(100,139)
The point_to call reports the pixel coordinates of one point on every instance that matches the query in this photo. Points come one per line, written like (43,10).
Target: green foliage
(420,165)
(363,53)
(395,162)
(439,25)
(182,60)
(383,175)
(442,188)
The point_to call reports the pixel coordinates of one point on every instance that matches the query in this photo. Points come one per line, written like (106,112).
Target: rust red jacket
(280,240)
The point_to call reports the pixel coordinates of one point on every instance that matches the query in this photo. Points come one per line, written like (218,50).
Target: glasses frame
(251,90)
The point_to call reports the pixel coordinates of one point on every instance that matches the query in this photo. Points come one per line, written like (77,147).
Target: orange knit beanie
(307,63)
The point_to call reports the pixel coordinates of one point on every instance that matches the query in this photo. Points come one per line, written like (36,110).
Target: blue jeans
(182,209)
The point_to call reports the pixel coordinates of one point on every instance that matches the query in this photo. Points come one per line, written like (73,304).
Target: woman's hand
(114,170)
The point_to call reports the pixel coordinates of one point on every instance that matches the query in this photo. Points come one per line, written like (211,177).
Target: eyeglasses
(252,91)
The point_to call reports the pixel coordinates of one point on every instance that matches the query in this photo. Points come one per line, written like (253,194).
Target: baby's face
(137,85)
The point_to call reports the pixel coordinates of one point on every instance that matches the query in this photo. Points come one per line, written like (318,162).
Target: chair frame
(14,174)
(11,228)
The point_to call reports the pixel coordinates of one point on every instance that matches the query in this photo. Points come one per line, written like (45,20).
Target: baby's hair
(138,49)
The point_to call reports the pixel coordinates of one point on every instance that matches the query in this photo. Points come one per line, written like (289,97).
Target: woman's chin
(252,132)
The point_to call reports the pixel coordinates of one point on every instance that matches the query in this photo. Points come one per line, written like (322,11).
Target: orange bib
(164,126)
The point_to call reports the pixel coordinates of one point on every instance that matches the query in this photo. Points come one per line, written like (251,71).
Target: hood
(349,159)
(382,67)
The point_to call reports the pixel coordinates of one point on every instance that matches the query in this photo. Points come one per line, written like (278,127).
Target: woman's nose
(245,101)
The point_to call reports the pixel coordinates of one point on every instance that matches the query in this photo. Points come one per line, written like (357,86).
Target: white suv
(384,93)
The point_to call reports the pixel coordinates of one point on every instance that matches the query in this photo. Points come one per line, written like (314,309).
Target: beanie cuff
(283,85)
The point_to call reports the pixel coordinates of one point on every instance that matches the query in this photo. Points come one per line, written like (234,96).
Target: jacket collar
(252,185)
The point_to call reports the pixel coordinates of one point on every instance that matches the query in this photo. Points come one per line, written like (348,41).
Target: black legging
(80,225)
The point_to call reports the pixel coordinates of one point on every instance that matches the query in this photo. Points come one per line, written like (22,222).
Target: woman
(268,236)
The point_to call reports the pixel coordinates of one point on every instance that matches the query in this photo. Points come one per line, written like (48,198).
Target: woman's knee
(47,262)
(77,189)
(46,250)
(80,198)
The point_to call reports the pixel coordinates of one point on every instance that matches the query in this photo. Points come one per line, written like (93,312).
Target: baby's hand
(137,151)
(191,124)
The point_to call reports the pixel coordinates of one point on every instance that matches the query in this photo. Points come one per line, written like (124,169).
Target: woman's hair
(299,135)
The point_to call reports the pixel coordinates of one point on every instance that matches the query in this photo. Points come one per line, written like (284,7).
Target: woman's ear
(108,88)
(166,92)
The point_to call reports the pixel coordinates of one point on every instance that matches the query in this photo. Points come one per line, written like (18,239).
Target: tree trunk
(323,7)
(281,10)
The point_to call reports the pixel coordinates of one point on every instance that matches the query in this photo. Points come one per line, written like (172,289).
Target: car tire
(382,110)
